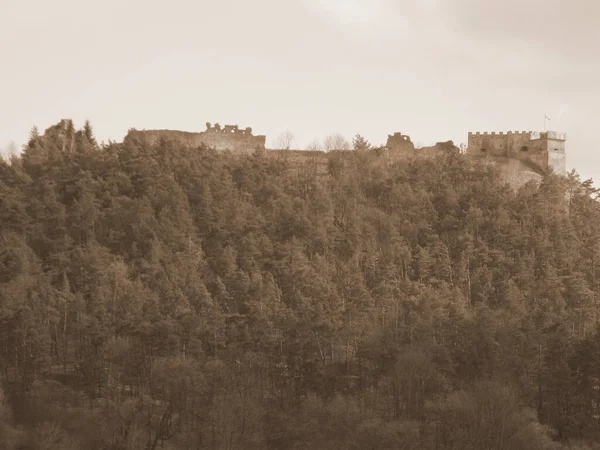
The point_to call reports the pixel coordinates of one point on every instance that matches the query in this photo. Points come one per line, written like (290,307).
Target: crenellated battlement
(228,129)
(555,135)
(533,134)
(499,133)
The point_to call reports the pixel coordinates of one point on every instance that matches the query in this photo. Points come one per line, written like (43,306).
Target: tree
(160,296)
(336,141)
(284,140)
(9,435)
(488,415)
(11,149)
(34,133)
(360,143)
(314,145)
(88,131)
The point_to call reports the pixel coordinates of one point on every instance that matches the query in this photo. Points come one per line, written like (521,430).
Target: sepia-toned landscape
(163,295)
(299,225)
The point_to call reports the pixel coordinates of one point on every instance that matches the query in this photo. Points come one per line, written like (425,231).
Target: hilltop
(520,156)
(161,295)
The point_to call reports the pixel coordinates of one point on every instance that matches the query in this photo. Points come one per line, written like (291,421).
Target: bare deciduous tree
(9,152)
(12,148)
(284,140)
(314,145)
(336,142)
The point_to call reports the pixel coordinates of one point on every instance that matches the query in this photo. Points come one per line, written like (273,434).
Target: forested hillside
(162,297)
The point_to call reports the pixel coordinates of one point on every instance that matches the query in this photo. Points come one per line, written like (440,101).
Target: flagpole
(546,119)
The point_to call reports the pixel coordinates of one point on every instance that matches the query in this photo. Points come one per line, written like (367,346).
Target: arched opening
(524,148)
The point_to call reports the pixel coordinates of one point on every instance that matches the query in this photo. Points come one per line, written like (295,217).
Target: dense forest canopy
(180,298)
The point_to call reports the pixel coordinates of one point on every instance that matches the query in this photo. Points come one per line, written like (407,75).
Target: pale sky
(432,69)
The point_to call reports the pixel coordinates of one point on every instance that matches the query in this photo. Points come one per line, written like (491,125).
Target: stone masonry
(229,137)
(521,155)
(543,152)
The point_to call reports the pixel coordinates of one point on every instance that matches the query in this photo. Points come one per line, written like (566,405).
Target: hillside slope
(174,297)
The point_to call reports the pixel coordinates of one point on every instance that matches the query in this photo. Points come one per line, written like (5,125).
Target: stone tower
(556,152)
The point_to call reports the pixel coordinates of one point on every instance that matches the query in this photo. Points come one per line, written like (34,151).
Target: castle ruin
(521,155)
(227,138)
(399,142)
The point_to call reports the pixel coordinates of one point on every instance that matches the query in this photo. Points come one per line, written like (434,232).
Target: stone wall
(497,144)
(546,151)
(521,155)
(400,146)
(399,142)
(439,148)
(230,137)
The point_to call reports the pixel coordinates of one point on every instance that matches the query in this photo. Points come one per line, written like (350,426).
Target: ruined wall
(152,136)
(440,148)
(232,138)
(522,155)
(400,147)
(399,142)
(229,137)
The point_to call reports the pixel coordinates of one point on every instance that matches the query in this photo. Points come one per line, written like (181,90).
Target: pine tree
(360,143)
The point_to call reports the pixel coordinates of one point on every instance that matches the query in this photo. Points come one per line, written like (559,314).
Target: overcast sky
(432,69)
